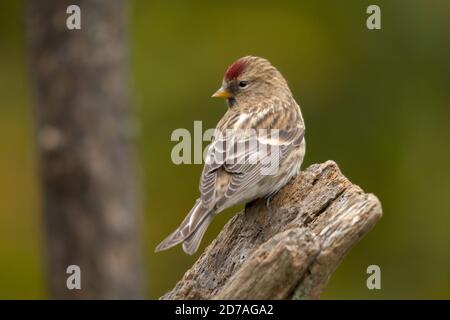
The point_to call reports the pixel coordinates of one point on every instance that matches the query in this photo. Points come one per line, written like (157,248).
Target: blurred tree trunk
(83,128)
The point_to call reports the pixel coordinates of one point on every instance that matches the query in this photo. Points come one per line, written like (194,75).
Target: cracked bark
(287,251)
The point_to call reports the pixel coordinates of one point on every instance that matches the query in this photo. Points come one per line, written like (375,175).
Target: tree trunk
(288,250)
(82,116)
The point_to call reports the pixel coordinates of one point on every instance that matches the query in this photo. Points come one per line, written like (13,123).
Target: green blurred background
(376,102)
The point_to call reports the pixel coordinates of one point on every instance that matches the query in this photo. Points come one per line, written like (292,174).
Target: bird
(261,109)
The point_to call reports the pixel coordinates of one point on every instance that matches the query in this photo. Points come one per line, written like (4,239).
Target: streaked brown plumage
(259,100)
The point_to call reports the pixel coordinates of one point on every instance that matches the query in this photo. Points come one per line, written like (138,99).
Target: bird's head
(251,79)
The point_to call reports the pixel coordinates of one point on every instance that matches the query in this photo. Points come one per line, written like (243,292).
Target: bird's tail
(190,245)
(190,231)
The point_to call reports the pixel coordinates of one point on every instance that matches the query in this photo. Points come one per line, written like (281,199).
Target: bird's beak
(223,93)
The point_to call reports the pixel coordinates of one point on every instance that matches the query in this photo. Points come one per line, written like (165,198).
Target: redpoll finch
(258,146)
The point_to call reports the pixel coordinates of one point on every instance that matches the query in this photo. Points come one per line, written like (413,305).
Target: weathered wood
(83,127)
(288,250)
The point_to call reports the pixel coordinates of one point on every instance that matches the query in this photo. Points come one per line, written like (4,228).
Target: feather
(192,221)
(190,245)
(246,153)
(235,69)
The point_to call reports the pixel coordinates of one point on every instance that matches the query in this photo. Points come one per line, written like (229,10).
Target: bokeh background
(376,102)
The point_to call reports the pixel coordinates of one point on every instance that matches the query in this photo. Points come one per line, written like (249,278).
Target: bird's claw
(268,201)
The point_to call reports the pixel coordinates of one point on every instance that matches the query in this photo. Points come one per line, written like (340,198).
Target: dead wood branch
(287,251)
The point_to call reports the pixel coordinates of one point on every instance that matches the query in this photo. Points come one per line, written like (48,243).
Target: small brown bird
(258,146)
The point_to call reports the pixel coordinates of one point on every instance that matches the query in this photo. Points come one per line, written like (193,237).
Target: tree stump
(288,250)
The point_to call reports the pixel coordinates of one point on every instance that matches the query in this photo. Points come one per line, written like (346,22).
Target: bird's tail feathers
(194,219)
(190,245)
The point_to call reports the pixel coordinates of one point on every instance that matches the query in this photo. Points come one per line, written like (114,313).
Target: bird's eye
(243,84)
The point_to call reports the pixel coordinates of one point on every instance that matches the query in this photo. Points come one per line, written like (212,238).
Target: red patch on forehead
(235,69)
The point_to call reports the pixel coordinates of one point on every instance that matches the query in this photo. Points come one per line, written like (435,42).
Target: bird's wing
(240,158)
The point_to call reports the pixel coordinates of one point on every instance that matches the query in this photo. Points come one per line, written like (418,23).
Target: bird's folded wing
(269,156)
(245,160)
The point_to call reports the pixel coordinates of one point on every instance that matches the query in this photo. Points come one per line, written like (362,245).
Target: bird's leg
(268,201)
